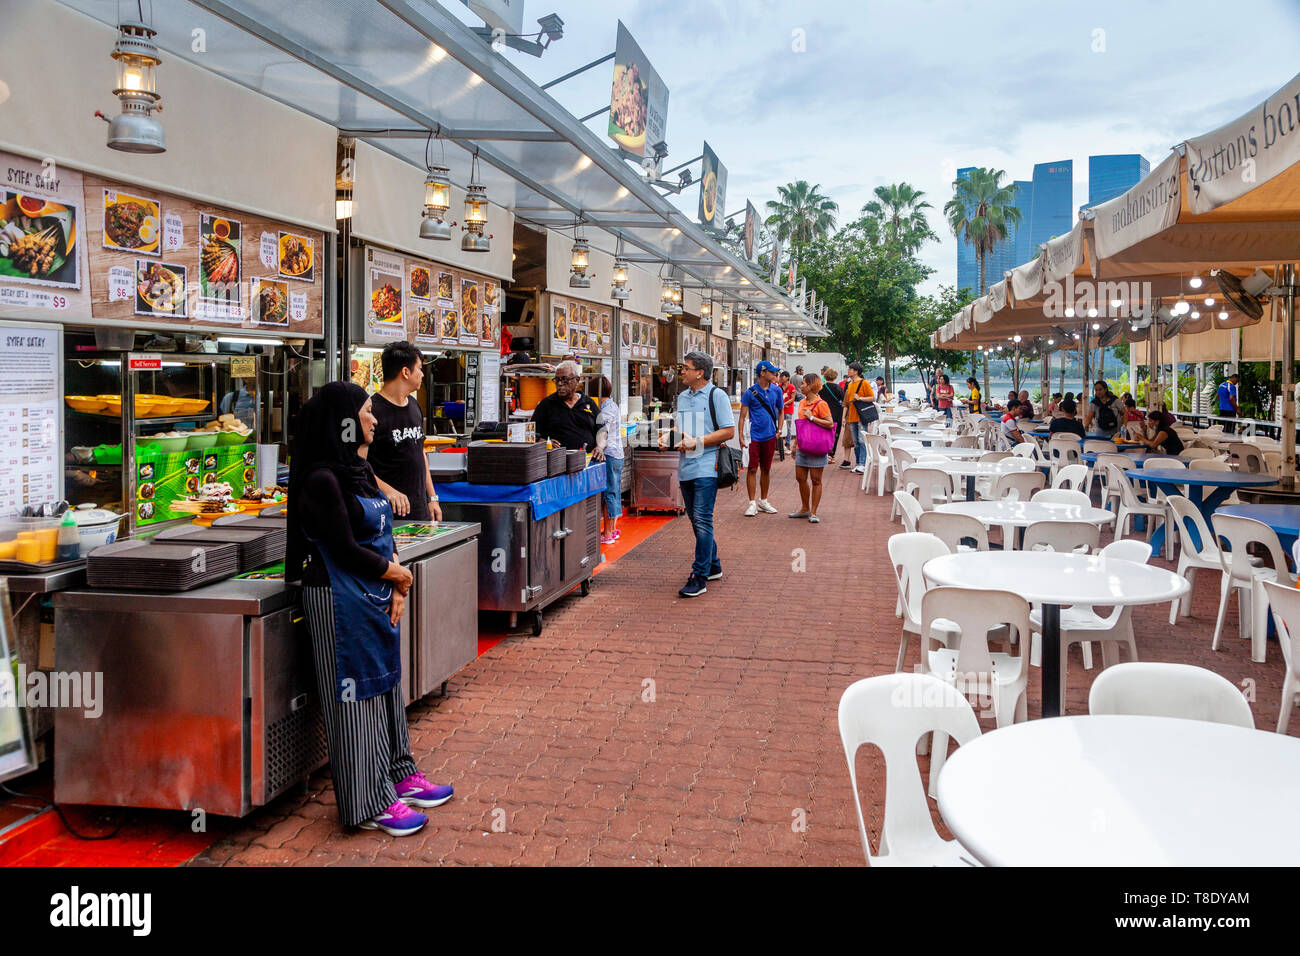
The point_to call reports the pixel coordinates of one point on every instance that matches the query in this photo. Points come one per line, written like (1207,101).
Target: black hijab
(328,436)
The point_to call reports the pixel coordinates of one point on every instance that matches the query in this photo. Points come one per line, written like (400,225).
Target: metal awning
(388,71)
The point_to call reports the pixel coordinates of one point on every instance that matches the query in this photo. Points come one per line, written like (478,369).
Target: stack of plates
(258,546)
(557,461)
(577,460)
(506,463)
(160,566)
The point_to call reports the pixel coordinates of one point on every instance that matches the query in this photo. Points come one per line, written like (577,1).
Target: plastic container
(164,445)
(32,538)
(200,440)
(233,438)
(453,409)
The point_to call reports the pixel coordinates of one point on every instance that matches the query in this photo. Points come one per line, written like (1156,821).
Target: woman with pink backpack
(813,441)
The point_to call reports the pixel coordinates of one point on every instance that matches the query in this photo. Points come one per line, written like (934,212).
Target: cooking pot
(96,527)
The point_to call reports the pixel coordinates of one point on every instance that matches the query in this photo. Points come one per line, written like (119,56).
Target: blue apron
(367,649)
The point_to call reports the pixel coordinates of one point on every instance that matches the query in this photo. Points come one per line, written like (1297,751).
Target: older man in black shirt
(570,417)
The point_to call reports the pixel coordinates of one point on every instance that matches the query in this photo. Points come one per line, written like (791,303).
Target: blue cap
(766,366)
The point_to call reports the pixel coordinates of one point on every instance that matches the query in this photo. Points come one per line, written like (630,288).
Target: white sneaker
(752,509)
(766,505)
(859,470)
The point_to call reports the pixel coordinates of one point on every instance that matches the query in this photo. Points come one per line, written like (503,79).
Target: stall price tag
(243,366)
(32,299)
(270,246)
(298,306)
(173,231)
(119,283)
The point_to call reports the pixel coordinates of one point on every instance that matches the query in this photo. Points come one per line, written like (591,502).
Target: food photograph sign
(385,279)
(638,102)
(713,192)
(429,304)
(42,237)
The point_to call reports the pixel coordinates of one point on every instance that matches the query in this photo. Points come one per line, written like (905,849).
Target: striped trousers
(369,747)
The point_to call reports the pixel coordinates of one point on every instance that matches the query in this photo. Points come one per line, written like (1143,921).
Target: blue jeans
(698,495)
(613,487)
(859,443)
(947,413)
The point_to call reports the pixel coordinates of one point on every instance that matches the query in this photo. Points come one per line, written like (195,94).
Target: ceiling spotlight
(1209,301)
(1196,313)
(1069,312)
(1092,313)
(1223,316)
(1195,281)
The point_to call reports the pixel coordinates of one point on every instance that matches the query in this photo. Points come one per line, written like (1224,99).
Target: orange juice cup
(49,541)
(29,549)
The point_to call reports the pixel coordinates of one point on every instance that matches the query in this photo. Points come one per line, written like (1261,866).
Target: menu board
(31,453)
(692,340)
(42,241)
(718,351)
(165,477)
(429,304)
(575,327)
(640,338)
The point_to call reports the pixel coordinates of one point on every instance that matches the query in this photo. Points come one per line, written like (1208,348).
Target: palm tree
(900,208)
(801,215)
(979,212)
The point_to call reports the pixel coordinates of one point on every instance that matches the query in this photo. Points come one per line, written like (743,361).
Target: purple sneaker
(416,791)
(399,820)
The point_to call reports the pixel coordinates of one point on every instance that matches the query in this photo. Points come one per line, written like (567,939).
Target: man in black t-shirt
(397,453)
(570,417)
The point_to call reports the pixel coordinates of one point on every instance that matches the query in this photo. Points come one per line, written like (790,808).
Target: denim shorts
(613,486)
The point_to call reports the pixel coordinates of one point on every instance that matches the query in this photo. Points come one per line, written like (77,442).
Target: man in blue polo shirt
(763,405)
(1228,407)
(699,406)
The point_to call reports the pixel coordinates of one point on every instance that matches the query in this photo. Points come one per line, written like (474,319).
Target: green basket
(108,454)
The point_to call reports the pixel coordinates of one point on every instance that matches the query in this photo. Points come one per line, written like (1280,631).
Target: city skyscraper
(1109,176)
(1046,204)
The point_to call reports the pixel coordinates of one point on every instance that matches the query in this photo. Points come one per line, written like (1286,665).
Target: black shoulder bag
(728,457)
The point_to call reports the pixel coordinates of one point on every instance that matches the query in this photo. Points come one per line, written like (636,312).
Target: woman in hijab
(354,592)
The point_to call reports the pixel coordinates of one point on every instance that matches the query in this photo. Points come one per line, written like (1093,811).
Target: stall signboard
(638,100)
(471,391)
(42,239)
(31,408)
(751,230)
(163,478)
(428,303)
(718,351)
(575,327)
(691,340)
(713,192)
(642,338)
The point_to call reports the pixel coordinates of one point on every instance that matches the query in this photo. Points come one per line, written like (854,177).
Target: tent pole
(1173,373)
(1288,373)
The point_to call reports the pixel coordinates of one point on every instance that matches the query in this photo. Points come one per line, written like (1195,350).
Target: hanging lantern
(618,285)
(437,203)
(579,261)
(726,314)
(135,130)
(706,313)
(666,296)
(476,214)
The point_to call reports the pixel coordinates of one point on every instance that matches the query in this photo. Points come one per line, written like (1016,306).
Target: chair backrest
(965,441)
(1285,602)
(908,553)
(893,712)
(1128,549)
(876,444)
(1026,449)
(1246,457)
(1116,479)
(1100,445)
(1213,464)
(1273,462)
(1156,461)
(911,509)
(953,529)
(1149,689)
(1188,518)
(975,612)
(995,456)
(1073,477)
(1105,460)
(1062,496)
(930,485)
(1018,485)
(1240,533)
(1197,454)
(901,457)
(1062,536)
(1064,449)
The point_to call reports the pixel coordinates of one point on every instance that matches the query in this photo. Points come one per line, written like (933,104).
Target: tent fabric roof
(386,71)
(1227,200)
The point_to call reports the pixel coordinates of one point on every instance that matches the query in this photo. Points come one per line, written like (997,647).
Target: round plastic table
(955,453)
(1021,514)
(1053,579)
(1124,791)
(1137,456)
(970,470)
(1283,519)
(1205,489)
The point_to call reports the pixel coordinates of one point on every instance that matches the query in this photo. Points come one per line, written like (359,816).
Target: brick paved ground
(561,742)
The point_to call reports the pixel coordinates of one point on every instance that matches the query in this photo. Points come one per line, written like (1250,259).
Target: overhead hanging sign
(751,230)
(638,100)
(1234,159)
(1148,208)
(713,192)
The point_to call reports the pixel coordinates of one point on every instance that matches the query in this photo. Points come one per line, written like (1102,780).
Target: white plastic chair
(893,712)
(1064,537)
(1214,464)
(1243,574)
(1187,518)
(1018,486)
(930,485)
(1130,505)
(1064,450)
(953,529)
(1246,457)
(909,508)
(1062,496)
(907,556)
(1099,445)
(1273,462)
(995,456)
(878,463)
(1151,689)
(1175,464)
(1099,471)
(965,441)
(1196,454)
(1074,477)
(1285,603)
(900,459)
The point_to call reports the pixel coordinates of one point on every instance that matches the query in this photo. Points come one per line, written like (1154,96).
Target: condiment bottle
(69,539)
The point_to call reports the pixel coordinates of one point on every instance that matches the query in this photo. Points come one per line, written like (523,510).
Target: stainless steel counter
(47,582)
(462,531)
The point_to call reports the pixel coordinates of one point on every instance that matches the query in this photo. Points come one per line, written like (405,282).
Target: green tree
(928,313)
(901,210)
(800,216)
(979,213)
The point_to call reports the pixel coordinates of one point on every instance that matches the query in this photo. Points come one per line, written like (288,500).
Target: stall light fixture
(476,214)
(1092,313)
(1196,313)
(135,130)
(241,340)
(618,282)
(1195,281)
(706,313)
(1015,338)
(1181,307)
(1069,312)
(1051,341)
(437,202)
(1096,326)
(579,261)
(1223,316)
(1209,301)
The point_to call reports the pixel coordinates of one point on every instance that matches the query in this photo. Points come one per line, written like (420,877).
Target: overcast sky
(889,92)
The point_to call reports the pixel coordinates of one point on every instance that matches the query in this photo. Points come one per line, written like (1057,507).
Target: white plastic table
(1053,579)
(970,470)
(1021,514)
(954,453)
(1124,791)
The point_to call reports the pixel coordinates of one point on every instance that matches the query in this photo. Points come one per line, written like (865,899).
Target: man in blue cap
(763,405)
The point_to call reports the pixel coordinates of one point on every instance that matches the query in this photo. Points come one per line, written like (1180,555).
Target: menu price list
(29,459)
